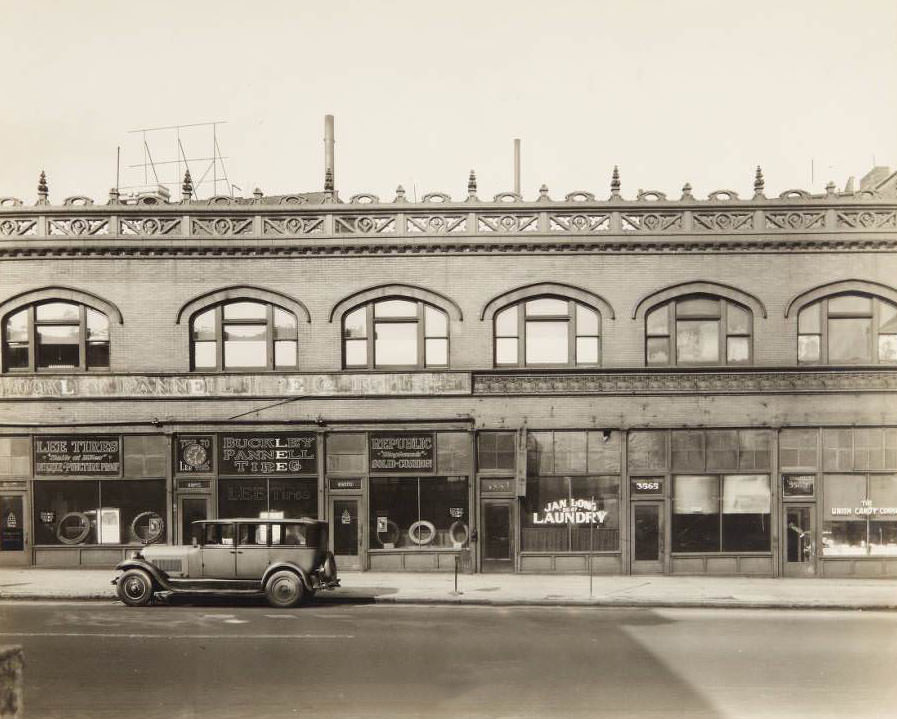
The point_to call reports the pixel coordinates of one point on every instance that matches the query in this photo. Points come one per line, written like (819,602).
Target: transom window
(698,330)
(395,332)
(847,329)
(547,331)
(244,335)
(55,335)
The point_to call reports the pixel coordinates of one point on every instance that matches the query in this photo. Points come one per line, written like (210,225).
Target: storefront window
(419,512)
(262,497)
(571,514)
(860,515)
(120,511)
(728,513)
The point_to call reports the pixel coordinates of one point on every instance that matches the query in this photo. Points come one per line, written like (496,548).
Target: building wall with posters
(645,385)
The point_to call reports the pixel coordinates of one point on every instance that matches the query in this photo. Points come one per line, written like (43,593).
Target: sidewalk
(518,589)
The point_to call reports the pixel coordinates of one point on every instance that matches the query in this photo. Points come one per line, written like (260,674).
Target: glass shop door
(15,547)
(800,540)
(345,532)
(647,538)
(192,508)
(497,535)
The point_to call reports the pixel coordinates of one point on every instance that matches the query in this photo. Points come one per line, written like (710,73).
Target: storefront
(413,489)
(839,490)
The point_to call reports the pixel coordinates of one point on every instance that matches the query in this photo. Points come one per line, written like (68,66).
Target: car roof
(256,520)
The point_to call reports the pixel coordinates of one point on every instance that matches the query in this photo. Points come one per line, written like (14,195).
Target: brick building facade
(685,386)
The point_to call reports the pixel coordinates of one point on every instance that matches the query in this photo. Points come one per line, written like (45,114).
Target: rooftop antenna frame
(148,165)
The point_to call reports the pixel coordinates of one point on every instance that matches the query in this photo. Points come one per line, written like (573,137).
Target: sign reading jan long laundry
(246,385)
(77,455)
(403,452)
(267,453)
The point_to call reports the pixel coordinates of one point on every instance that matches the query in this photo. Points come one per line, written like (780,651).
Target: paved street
(221,660)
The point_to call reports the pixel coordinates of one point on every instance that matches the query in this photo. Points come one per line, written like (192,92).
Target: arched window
(549,332)
(698,330)
(55,335)
(395,332)
(848,328)
(243,335)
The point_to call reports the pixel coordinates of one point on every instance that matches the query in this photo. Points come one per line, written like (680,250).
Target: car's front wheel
(135,588)
(284,589)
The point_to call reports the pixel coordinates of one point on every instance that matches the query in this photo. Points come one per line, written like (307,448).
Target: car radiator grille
(169,565)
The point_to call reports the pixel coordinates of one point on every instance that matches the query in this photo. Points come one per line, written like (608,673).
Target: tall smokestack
(329,183)
(517,166)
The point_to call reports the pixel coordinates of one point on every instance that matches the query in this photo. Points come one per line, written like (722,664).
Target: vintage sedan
(286,559)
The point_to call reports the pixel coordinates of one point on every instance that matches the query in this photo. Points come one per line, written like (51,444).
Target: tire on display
(135,588)
(284,589)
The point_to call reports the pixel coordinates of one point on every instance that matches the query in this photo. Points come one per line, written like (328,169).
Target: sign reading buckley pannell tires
(268,453)
(403,452)
(61,455)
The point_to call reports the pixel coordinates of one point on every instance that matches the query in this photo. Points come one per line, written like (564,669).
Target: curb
(560,602)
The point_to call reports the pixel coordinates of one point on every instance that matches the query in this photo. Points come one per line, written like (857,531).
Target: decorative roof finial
(114,196)
(328,180)
(543,193)
(830,189)
(187,187)
(400,194)
(686,192)
(258,194)
(615,184)
(43,190)
(759,183)
(472,186)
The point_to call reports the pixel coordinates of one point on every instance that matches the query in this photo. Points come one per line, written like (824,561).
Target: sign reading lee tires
(64,455)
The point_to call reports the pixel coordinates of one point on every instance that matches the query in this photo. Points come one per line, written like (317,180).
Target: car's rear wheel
(284,589)
(135,588)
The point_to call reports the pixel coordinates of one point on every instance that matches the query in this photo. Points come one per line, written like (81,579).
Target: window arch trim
(396,290)
(65,294)
(820,292)
(541,289)
(649,302)
(235,293)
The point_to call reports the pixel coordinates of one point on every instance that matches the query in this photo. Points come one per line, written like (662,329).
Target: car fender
(303,575)
(159,577)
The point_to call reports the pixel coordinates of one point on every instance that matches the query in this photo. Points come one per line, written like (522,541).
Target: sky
(672,92)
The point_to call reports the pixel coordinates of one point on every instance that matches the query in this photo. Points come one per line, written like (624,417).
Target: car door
(252,550)
(219,552)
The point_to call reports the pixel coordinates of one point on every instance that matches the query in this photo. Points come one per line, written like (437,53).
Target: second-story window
(244,335)
(547,331)
(698,330)
(395,332)
(55,335)
(847,329)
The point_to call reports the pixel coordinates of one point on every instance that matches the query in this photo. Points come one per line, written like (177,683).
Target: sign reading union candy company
(570,511)
(403,451)
(268,453)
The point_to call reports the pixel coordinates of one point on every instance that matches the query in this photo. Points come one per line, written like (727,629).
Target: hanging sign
(61,455)
(193,453)
(570,511)
(267,454)
(345,517)
(403,452)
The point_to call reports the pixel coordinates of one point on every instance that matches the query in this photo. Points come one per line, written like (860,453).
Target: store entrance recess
(345,533)
(14,544)
(647,538)
(497,530)
(800,541)
(192,509)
